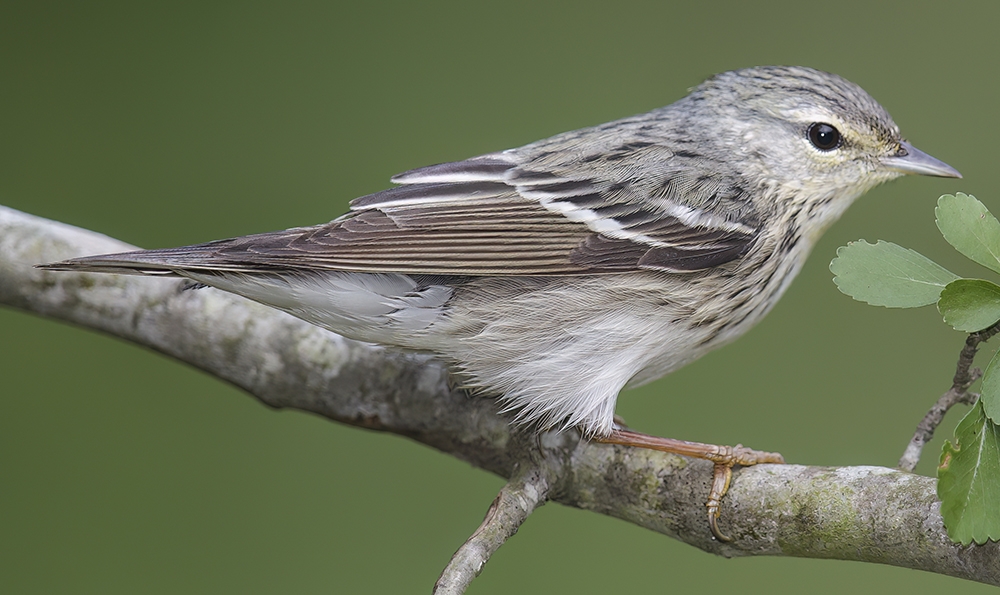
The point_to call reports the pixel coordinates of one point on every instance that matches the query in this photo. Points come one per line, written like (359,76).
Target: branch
(852,513)
(518,499)
(965,375)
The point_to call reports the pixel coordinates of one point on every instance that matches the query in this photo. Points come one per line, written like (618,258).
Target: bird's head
(808,137)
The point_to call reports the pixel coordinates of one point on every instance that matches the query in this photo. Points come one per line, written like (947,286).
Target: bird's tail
(166,262)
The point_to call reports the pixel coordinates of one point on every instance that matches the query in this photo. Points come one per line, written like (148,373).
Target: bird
(554,275)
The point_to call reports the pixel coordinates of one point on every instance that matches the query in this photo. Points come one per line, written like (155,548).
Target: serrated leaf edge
(986,211)
(836,276)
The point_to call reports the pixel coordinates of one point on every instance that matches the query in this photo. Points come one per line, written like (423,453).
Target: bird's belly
(559,351)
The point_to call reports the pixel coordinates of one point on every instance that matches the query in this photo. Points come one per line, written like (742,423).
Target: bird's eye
(824,137)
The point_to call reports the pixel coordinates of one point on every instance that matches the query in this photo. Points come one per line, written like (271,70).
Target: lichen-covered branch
(853,513)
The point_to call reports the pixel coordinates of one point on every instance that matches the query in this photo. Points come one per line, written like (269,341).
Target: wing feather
(498,214)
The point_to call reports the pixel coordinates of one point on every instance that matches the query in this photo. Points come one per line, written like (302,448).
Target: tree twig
(965,375)
(852,513)
(518,499)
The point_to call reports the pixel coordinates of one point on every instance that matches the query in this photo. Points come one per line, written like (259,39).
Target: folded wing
(490,215)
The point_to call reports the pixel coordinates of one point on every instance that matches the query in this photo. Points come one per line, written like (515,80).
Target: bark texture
(868,514)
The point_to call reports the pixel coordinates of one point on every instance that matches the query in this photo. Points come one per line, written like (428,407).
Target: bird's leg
(724,457)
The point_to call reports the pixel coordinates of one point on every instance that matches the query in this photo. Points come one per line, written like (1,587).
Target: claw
(724,457)
(720,485)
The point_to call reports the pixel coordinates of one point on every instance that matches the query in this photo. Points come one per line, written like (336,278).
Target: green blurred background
(125,472)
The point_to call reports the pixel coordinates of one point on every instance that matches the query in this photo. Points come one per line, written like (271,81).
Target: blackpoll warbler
(555,274)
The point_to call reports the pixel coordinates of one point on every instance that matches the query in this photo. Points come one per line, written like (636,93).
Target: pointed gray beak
(911,160)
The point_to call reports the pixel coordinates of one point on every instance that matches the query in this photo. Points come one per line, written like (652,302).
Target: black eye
(824,137)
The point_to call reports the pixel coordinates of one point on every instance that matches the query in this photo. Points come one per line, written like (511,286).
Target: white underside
(553,350)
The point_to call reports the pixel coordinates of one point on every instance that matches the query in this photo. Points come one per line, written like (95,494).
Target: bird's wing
(489,215)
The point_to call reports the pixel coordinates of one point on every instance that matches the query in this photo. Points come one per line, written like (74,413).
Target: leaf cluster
(885,274)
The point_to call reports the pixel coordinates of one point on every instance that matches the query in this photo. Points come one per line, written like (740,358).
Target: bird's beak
(911,160)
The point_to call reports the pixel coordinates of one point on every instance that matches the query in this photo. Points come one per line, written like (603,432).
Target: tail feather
(167,262)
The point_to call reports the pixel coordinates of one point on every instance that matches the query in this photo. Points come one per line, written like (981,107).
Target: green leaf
(970,305)
(884,274)
(970,228)
(990,389)
(969,480)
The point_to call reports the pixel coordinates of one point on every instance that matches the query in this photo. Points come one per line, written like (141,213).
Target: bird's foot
(724,457)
